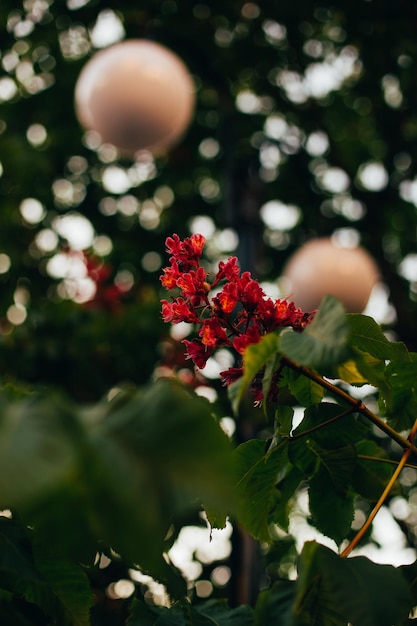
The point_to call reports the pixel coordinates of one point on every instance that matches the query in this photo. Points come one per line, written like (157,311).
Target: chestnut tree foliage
(106,451)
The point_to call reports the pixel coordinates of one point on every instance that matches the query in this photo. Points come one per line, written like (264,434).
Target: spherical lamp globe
(321,267)
(137,95)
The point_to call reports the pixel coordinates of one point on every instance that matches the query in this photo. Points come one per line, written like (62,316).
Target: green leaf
(313,605)
(330,430)
(306,391)
(267,380)
(177,437)
(372,370)
(274,605)
(357,590)
(371,476)
(329,471)
(350,373)
(223,615)
(302,456)
(37,450)
(367,335)
(258,473)
(56,585)
(283,420)
(209,613)
(142,614)
(410,574)
(16,562)
(339,462)
(69,584)
(331,508)
(159,454)
(401,404)
(323,343)
(255,358)
(286,490)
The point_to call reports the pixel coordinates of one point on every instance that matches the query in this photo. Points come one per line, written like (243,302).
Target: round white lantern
(320,267)
(137,95)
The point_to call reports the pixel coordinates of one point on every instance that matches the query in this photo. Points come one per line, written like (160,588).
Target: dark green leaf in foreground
(274,605)
(56,585)
(159,454)
(174,434)
(323,343)
(333,591)
(209,613)
(37,450)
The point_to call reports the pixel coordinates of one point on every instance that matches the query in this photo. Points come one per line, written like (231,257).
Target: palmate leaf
(257,475)
(323,343)
(332,591)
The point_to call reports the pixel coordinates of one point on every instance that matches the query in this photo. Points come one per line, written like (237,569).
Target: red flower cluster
(239,313)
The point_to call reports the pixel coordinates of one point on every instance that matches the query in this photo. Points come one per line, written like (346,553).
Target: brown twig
(383,496)
(406,444)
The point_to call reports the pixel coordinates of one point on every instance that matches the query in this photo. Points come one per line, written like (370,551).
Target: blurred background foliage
(305,125)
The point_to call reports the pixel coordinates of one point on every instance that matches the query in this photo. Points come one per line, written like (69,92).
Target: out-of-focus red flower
(238,316)
(108,295)
(231,375)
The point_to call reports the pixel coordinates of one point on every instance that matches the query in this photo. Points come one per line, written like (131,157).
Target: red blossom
(227,270)
(186,253)
(251,293)
(228,297)
(244,340)
(170,275)
(237,316)
(212,333)
(193,285)
(197,352)
(231,375)
(178,311)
